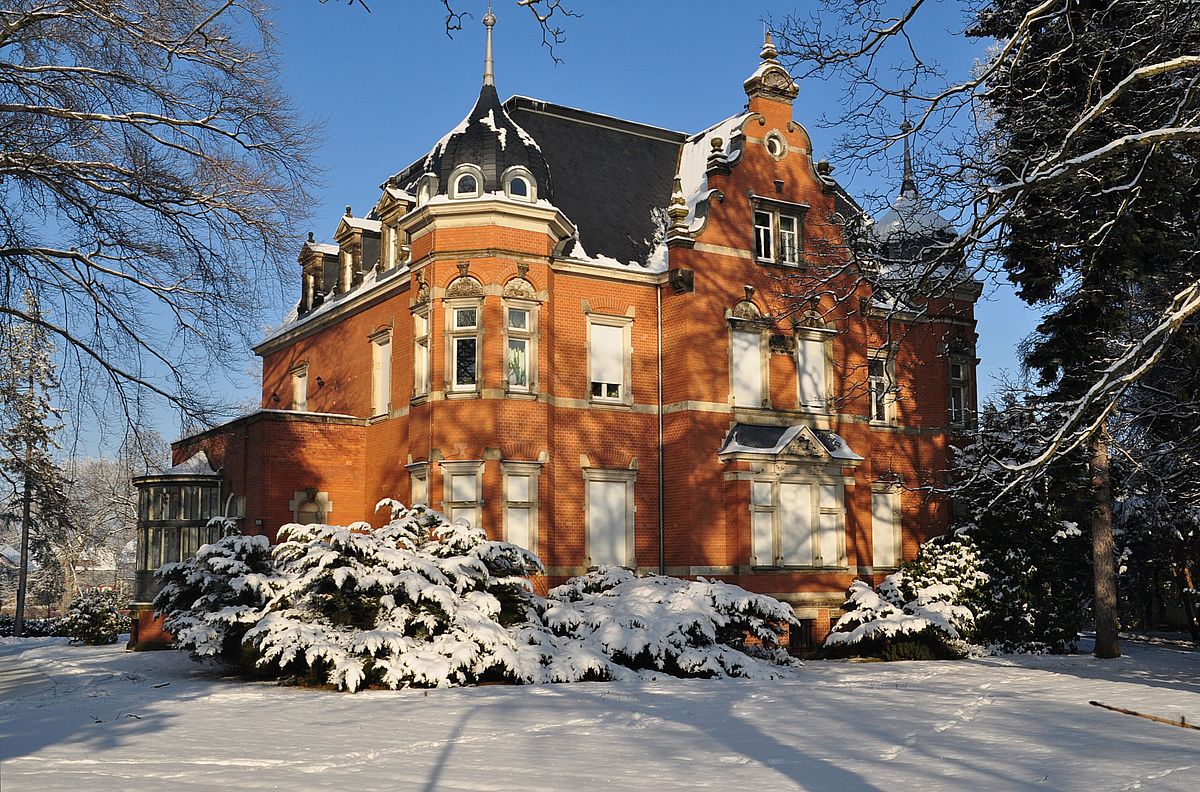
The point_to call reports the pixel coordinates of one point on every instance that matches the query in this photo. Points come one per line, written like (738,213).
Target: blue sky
(387,84)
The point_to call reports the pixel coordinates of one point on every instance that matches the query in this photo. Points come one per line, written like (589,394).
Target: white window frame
(961,384)
(818,508)
(629,479)
(527,335)
(452,507)
(300,388)
(456,177)
(789,241)
(764,235)
(456,333)
(764,364)
(625,388)
(894,503)
(418,482)
(531,471)
(381,373)
(421,356)
(519,172)
(881,390)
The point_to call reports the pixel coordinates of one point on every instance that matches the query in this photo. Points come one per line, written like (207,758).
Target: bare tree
(153,180)
(1062,155)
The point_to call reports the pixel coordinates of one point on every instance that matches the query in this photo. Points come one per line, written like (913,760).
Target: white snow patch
(489,121)
(693,160)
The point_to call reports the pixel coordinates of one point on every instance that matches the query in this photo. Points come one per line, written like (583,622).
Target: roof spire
(908,184)
(769,53)
(489,21)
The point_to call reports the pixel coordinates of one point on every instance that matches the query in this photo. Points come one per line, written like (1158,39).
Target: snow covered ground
(81,718)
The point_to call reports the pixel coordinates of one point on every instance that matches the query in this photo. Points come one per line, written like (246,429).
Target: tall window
(764,236)
(461,499)
(797,523)
(810,364)
(959,409)
(606,361)
(300,389)
(747,368)
(609,516)
(788,240)
(520,504)
(418,482)
(464,348)
(518,356)
(421,353)
(879,389)
(885,529)
(381,373)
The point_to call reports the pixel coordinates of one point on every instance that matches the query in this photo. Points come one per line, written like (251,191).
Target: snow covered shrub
(31,628)
(93,618)
(209,601)
(609,622)
(420,601)
(927,602)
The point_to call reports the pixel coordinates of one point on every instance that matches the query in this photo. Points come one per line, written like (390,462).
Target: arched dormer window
(519,184)
(466,182)
(426,188)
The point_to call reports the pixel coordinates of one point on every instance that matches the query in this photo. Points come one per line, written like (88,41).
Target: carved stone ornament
(422,290)
(746,310)
(812,319)
(464,287)
(802,445)
(520,288)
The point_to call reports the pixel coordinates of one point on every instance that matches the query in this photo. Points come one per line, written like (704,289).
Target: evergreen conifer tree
(30,421)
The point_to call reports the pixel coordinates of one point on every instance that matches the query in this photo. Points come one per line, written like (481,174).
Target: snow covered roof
(797,439)
(693,160)
(361,223)
(323,248)
(195,465)
(911,215)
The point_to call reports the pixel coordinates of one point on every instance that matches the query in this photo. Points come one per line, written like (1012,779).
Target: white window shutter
(795,523)
(606,522)
(518,526)
(830,525)
(747,369)
(762,539)
(811,364)
(608,353)
(884,538)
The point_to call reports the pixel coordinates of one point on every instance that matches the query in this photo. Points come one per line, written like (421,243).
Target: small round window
(467,186)
(776,146)
(518,187)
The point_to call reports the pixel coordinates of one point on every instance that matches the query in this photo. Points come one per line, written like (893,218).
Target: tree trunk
(1104,565)
(23,572)
(1186,587)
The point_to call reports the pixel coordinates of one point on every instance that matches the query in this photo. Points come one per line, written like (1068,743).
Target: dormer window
(426,188)
(519,184)
(467,186)
(466,182)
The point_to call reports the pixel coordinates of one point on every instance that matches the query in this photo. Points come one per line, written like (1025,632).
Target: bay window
(464,347)
(797,522)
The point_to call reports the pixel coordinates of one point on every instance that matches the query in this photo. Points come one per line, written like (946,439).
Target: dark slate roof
(489,138)
(753,438)
(610,176)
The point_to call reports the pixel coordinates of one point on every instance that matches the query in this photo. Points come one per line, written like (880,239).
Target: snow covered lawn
(83,719)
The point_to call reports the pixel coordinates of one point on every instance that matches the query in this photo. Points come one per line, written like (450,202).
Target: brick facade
(337,448)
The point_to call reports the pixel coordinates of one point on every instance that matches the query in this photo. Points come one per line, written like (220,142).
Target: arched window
(519,184)
(467,186)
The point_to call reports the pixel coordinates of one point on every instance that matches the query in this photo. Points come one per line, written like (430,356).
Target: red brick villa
(590,337)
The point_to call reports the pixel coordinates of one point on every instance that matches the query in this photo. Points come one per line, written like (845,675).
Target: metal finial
(769,53)
(908,183)
(489,21)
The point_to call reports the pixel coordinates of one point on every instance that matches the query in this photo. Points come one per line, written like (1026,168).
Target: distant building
(573,330)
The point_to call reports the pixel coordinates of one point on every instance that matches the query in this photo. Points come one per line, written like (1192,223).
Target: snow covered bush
(611,622)
(209,601)
(420,601)
(427,602)
(93,618)
(31,628)
(926,603)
